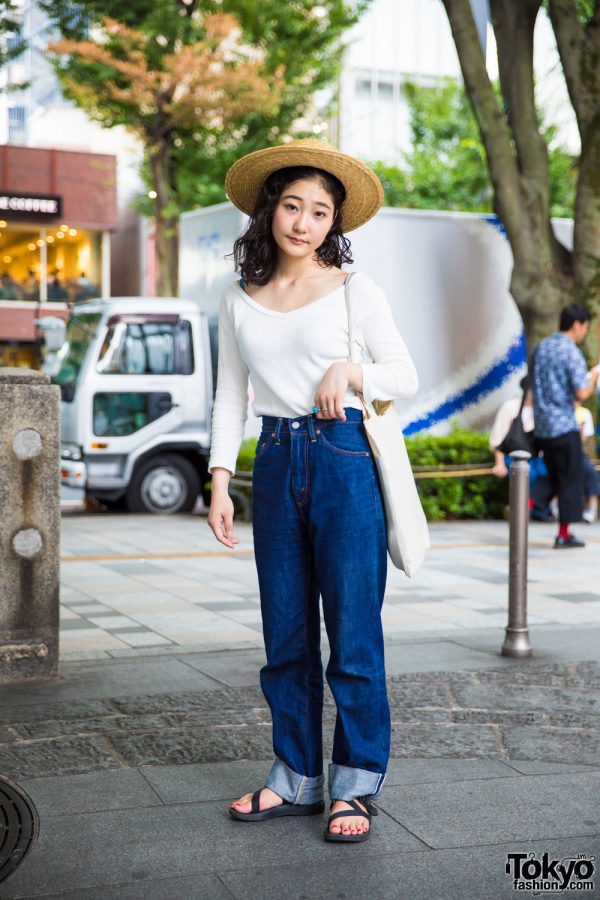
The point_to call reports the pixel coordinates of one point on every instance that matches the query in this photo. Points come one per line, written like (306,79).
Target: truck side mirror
(54,331)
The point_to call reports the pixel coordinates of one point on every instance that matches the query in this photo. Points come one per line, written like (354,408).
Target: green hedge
(479,497)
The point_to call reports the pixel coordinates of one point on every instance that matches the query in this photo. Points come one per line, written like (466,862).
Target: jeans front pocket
(346,440)
(262,445)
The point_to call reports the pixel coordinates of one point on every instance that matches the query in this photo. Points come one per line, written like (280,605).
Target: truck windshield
(81,331)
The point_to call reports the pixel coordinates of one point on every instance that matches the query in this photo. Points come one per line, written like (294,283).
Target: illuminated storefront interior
(57,209)
(71,258)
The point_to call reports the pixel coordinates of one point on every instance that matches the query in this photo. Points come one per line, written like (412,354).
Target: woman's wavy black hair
(255,251)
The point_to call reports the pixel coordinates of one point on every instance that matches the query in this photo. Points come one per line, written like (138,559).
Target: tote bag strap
(379,406)
(349,278)
(359,394)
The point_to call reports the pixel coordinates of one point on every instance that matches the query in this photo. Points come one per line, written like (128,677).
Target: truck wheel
(164,485)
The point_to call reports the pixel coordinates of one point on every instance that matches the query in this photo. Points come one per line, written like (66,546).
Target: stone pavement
(129,588)
(132,755)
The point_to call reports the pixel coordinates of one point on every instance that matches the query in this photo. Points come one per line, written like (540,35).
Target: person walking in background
(560,377)
(590,476)
(318,518)
(539,487)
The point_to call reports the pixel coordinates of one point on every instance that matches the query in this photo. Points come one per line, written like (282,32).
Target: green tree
(202,89)
(446,167)
(299,47)
(12,43)
(546,275)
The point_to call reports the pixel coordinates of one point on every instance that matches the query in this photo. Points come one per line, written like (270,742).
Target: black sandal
(283,809)
(351,838)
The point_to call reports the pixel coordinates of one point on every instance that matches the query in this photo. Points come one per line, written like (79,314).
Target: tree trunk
(166,227)
(542,278)
(579,50)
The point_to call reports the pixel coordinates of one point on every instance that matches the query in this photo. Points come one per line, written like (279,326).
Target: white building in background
(400,40)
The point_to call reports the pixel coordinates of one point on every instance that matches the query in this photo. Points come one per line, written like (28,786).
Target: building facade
(57,209)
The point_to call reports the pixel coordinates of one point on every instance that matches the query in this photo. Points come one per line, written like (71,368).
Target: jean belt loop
(277,430)
(311,428)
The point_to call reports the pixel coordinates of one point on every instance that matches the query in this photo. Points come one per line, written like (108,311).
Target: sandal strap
(346,812)
(256,800)
(367,801)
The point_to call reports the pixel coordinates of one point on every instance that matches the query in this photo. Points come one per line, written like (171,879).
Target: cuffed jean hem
(346,782)
(294,787)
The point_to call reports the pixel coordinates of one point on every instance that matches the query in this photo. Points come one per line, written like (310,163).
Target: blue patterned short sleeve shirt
(559,371)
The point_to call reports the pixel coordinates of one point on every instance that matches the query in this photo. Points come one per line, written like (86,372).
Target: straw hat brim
(364,193)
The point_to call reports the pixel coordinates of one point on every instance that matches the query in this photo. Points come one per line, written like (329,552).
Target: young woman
(318,519)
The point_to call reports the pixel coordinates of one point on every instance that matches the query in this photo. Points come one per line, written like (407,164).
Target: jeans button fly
(295,424)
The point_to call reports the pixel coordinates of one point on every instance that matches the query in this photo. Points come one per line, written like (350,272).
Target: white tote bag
(407,532)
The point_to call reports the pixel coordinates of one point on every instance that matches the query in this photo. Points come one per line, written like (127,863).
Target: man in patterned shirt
(560,377)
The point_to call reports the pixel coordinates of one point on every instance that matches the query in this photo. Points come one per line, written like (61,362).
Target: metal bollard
(516,643)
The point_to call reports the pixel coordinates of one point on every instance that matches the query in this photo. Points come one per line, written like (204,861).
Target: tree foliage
(12,43)
(200,91)
(446,167)
(298,45)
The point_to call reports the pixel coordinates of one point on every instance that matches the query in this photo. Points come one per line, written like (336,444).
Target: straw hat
(364,193)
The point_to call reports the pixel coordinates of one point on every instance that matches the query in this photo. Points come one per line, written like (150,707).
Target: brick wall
(85,181)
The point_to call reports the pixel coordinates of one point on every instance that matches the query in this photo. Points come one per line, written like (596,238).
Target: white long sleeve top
(286,354)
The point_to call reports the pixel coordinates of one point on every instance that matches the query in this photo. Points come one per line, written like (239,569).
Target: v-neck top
(282,358)
(290,312)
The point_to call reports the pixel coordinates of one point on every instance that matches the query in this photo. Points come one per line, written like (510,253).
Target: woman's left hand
(331,392)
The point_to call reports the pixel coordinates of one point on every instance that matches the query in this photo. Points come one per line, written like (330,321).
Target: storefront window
(73,262)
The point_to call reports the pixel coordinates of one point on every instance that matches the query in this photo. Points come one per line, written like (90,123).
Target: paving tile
(467,571)
(94,792)
(144,638)
(60,757)
(467,813)
(224,781)
(422,771)
(553,744)
(74,624)
(111,621)
(109,678)
(90,608)
(194,887)
(177,840)
(233,667)
(535,767)
(230,605)
(65,613)
(477,873)
(412,657)
(88,639)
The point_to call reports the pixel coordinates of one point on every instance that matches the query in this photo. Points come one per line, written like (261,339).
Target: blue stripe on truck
(513,359)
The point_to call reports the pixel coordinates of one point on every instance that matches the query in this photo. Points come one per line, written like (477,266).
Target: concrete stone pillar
(29,524)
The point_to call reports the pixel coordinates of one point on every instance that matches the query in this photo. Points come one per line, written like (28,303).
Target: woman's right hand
(220,518)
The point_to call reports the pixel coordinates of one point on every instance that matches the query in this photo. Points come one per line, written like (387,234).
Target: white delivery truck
(136,385)
(138,374)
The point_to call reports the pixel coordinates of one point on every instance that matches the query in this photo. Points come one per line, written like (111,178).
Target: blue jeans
(319,529)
